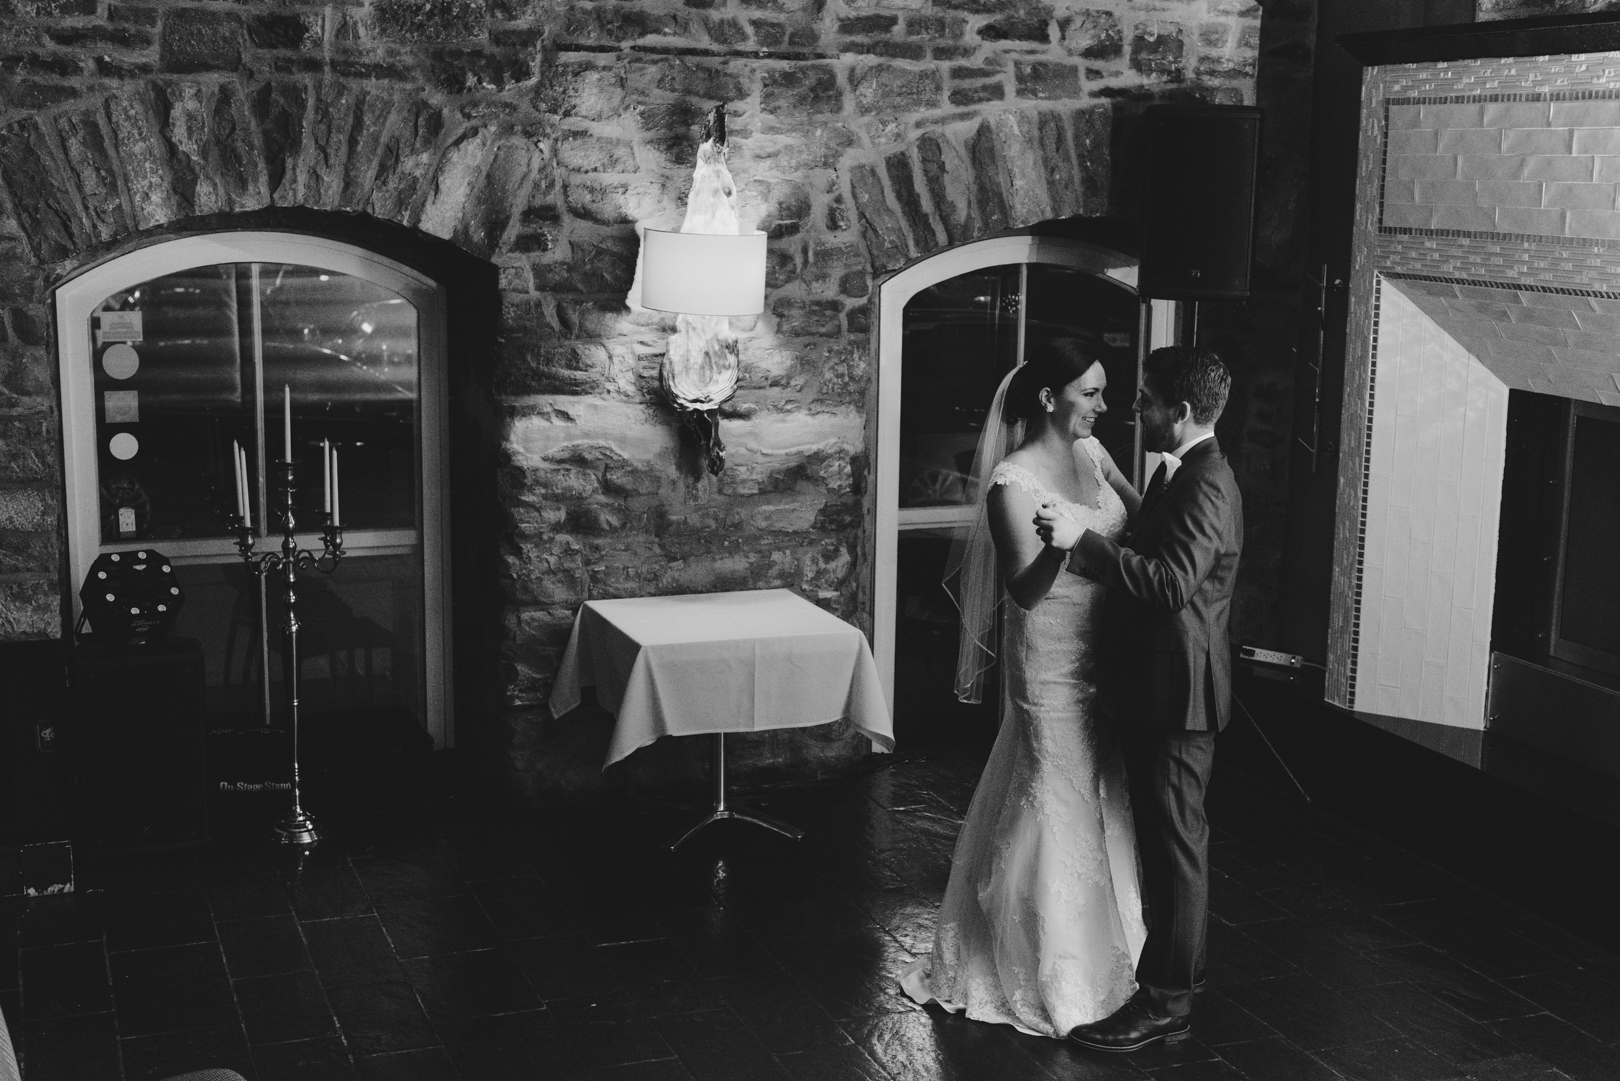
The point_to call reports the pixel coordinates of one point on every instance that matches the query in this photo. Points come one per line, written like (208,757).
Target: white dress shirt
(1172,459)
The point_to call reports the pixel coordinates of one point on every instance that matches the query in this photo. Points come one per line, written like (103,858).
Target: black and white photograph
(809,540)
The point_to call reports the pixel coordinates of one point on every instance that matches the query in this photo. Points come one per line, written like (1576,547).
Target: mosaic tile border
(1564,242)
(1485,283)
(1520,95)
(1354,665)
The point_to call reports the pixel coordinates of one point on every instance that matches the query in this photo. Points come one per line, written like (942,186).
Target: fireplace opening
(1558,578)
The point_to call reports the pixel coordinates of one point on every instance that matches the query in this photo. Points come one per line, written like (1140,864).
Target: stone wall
(538,136)
(1488,10)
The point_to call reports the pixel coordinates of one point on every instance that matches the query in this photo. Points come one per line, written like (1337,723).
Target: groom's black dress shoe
(1134,1025)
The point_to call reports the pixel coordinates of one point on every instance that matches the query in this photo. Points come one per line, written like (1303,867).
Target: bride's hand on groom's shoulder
(1056,530)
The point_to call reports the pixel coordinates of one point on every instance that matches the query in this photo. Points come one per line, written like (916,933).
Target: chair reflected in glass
(347,658)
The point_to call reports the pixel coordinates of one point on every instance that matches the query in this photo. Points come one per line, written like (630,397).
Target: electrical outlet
(1270,656)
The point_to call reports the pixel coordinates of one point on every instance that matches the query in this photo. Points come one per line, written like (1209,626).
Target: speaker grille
(1198,210)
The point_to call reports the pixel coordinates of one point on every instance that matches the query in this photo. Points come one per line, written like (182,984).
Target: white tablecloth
(720,662)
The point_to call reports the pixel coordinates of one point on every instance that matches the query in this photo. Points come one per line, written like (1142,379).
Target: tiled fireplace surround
(1487,258)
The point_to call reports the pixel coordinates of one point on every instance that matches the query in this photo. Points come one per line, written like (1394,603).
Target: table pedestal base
(722,811)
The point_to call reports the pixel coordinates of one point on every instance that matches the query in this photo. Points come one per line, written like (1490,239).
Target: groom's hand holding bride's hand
(1055,530)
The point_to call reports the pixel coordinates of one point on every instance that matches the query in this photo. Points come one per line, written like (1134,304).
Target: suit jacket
(1166,658)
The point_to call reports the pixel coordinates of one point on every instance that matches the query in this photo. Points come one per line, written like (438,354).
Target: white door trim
(77,297)
(893,295)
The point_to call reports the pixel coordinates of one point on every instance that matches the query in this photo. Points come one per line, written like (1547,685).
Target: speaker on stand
(1198,203)
(137,709)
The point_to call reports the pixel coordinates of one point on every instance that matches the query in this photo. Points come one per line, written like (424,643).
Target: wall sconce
(703,273)
(707,272)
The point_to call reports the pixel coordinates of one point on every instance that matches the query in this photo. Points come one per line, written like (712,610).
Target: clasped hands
(1055,530)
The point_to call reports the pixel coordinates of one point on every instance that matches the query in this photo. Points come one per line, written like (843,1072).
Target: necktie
(1156,485)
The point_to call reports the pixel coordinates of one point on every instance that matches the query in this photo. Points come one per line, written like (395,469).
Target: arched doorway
(174,355)
(950,328)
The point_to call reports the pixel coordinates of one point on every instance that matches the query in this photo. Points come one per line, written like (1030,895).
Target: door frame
(78,296)
(893,296)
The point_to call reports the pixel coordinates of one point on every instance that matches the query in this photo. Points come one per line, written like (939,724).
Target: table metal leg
(722,811)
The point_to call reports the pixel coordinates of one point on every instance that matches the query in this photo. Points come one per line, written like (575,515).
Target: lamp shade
(703,273)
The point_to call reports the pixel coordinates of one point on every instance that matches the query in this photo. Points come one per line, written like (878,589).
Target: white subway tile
(1597,141)
(1600,113)
(1433,708)
(1537,141)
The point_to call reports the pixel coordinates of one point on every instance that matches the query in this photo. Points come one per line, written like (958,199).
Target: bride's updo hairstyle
(1054,364)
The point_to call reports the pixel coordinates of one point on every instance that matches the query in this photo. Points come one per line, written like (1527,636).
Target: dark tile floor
(465,943)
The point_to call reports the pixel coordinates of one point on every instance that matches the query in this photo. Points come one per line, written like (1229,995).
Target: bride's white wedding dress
(1042,920)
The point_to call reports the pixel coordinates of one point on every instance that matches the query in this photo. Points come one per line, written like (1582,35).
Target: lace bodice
(1107,515)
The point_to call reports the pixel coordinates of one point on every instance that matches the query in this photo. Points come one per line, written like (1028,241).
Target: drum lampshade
(703,273)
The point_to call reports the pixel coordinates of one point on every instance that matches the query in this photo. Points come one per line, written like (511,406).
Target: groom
(1165,676)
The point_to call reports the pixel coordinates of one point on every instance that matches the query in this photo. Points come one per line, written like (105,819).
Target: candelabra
(296,827)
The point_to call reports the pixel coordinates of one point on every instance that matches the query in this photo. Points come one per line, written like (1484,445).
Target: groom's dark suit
(1166,682)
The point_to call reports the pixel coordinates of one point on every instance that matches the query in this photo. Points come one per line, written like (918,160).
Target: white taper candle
(236,478)
(336,496)
(286,422)
(326,473)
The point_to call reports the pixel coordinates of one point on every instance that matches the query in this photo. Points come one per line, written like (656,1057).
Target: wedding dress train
(1042,920)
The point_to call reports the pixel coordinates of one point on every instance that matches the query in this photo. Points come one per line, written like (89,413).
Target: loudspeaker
(1198,200)
(138,742)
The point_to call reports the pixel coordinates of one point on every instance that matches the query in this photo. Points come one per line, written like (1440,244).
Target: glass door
(960,337)
(179,374)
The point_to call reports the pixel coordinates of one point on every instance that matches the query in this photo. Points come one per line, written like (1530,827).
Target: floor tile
(1276,1059)
(291,1006)
(779,1013)
(1400,1059)
(422,1064)
(263,946)
(381,1017)
(83,1048)
(662,1069)
(1315,947)
(1460,987)
(716,1046)
(436,926)
(171,990)
(612,1043)
(1563,1046)
(522,908)
(146,921)
(354,950)
(844,1062)
(566,967)
(61,919)
(1433,1024)
(716,943)
(521,1045)
(323,1059)
(456,986)
(389,879)
(1586,1000)
(1515,1068)
(1217,1020)
(247,888)
(1309,1013)
(326,890)
(153,1058)
(58,981)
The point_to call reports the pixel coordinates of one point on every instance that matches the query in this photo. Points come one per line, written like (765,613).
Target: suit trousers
(1169,774)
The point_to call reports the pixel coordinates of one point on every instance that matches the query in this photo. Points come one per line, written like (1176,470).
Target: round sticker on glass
(121,361)
(124,446)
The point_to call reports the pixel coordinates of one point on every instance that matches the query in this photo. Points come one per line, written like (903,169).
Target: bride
(1042,920)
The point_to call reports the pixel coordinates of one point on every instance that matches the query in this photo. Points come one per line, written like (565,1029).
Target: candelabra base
(297,828)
